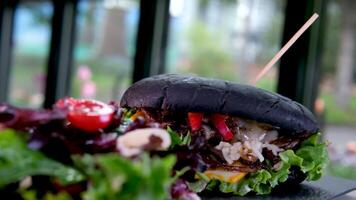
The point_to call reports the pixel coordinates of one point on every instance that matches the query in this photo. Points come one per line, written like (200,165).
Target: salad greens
(31,195)
(120,178)
(18,161)
(179,140)
(311,158)
(110,176)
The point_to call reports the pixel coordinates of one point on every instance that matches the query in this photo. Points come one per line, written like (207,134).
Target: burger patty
(202,159)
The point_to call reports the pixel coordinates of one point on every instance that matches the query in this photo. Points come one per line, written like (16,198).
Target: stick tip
(315,15)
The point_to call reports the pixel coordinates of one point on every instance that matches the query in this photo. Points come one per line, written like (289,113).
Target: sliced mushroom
(134,142)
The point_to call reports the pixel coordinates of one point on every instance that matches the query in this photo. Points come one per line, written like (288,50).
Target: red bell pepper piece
(195,120)
(219,123)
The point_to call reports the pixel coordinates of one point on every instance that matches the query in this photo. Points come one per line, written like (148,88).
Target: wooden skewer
(285,48)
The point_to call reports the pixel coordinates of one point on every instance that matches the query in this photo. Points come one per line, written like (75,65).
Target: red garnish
(66,103)
(89,115)
(195,120)
(219,123)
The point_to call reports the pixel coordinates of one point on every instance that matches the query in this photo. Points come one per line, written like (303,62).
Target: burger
(171,137)
(229,137)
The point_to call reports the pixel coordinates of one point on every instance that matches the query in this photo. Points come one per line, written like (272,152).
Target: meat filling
(226,142)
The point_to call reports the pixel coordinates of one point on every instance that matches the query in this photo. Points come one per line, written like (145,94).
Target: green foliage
(268,84)
(109,75)
(128,113)
(332,38)
(206,53)
(348,172)
(40,14)
(114,177)
(110,176)
(337,115)
(257,182)
(182,140)
(31,195)
(17,162)
(311,158)
(271,38)
(314,157)
(28,195)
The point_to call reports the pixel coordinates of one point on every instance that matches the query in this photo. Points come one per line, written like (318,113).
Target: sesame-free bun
(196,94)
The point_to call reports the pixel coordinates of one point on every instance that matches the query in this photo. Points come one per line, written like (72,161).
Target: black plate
(326,188)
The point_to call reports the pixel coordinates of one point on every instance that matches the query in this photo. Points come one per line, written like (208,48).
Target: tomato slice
(219,123)
(195,120)
(90,115)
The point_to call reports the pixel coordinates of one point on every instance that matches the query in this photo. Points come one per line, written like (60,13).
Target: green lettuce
(18,161)
(32,195)
(311,158)
(115,177)
(179,140)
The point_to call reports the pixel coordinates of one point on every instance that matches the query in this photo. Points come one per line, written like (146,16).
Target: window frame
(60,59)
(7,15)
(299,69)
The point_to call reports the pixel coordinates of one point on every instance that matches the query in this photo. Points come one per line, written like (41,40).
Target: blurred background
(97,48)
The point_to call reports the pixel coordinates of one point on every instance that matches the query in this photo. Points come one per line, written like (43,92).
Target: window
(31,45)
(337,87)
(226,39)
(105,46)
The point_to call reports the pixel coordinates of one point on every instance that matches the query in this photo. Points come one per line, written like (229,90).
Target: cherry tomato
(90,115)
(219,123)
(195,120)
(66,103)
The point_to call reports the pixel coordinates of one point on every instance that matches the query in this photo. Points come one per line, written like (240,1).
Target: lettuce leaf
(315,157)
(18,161)
(311,158)
(114,177)
(32,195)
(179,140)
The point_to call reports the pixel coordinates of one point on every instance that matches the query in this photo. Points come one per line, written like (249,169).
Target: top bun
(196,94)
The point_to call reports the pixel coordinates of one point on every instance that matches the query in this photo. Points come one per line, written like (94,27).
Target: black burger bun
(196,94)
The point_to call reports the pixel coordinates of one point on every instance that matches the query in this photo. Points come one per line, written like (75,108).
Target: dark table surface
(326,188)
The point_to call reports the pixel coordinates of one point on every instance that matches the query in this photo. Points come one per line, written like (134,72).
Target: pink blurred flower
(88,89)
(84,73)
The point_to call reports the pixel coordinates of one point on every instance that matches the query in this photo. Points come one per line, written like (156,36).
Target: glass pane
(31,46)
(105,48)
(337,102)
(226,39)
